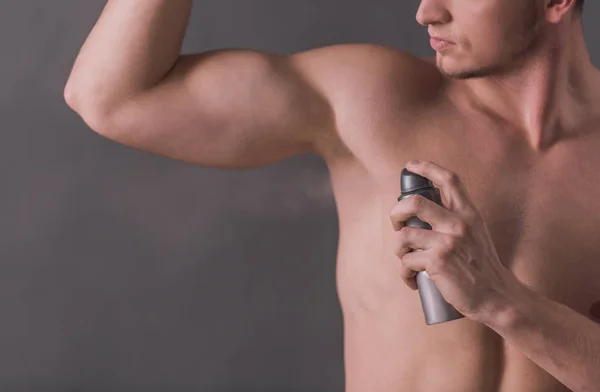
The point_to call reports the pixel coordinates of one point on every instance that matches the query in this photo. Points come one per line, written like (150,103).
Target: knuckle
(404,232)
(460,228)
(406,272)
(451,178)
(400,250)
(437,265)
(416,201)
(442,253)
(470,214)
(450,243)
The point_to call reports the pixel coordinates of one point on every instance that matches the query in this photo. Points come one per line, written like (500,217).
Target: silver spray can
(435,307)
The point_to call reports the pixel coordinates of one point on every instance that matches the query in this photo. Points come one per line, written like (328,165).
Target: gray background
(124,271)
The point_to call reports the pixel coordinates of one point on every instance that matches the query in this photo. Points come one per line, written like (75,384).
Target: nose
(433,12)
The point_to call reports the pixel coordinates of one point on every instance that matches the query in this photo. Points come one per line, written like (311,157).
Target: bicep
(229,109)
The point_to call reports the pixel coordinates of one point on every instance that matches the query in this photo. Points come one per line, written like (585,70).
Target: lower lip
(439,46)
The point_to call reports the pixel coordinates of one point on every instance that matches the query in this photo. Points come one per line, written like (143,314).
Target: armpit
(595,311)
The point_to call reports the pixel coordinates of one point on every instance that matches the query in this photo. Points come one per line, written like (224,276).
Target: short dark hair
(579,5)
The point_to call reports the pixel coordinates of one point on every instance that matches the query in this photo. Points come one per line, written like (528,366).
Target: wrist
(507,311)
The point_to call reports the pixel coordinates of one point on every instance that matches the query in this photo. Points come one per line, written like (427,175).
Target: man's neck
(547,96)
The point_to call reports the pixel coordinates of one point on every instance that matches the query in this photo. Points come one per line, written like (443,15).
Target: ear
(556,10)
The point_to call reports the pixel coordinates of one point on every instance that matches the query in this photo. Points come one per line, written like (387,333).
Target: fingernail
(413,163)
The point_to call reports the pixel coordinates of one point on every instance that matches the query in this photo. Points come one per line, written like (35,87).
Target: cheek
(485,43)
(489,27)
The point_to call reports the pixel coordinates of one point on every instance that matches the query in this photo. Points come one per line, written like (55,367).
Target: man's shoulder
(356,70)
(353,58)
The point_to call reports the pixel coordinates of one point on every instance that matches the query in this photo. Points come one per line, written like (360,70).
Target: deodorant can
(436,309)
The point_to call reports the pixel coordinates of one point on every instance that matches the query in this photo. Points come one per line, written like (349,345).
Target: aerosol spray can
(435,307)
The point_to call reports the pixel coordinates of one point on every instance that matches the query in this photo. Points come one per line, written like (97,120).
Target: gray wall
(124,271)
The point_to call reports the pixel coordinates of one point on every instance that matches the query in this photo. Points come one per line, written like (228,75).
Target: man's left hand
(458,253)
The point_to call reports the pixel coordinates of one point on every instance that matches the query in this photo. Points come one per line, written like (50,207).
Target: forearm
(561,341)
(132,47)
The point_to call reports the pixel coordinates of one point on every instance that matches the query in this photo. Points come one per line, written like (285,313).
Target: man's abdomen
(389,348)
(392,353)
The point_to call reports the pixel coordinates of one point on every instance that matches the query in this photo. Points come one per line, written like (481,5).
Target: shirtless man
(506,119)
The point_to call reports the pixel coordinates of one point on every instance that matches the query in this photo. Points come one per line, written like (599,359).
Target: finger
(409,278)
(410,264)
(455,193)
(409,238)
(428,211)
(435,262)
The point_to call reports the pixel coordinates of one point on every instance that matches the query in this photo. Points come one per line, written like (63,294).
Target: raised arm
(222,108)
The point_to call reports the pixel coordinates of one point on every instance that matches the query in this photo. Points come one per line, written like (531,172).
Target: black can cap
(410,182)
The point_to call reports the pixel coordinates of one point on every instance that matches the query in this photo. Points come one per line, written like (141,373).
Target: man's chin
(465,74)
(458,72)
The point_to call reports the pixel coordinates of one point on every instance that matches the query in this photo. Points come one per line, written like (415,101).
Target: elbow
(70,96)
(95,116)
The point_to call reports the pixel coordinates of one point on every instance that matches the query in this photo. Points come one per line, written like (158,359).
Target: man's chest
(546,233)
(542,209)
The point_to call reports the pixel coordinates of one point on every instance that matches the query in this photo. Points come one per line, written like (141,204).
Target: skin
(507,121)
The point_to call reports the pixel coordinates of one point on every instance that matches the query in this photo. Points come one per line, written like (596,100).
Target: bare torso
(541,208)
(241,109)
